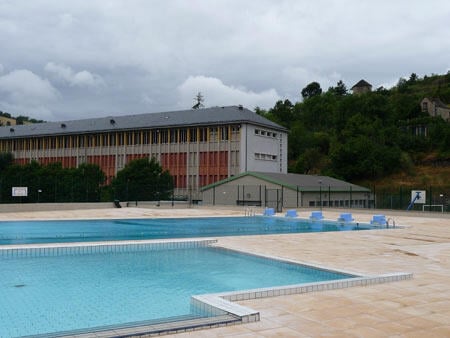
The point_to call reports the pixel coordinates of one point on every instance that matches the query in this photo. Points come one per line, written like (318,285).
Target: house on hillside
(361,87)
(435,107)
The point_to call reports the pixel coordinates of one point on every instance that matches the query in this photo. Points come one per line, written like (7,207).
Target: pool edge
(223,305)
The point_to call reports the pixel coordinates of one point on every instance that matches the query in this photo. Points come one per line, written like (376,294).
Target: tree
(6,159)
(312,89)
(198,101)
(260,111)
(282,112)
(143,180)
(339,90)
(413,78)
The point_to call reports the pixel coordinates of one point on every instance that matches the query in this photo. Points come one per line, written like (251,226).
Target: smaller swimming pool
(27,232)
(68,289)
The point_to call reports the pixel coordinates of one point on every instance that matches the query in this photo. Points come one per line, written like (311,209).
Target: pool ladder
(249,212)
(393,222)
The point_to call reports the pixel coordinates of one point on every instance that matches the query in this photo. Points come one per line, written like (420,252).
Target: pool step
(170,327)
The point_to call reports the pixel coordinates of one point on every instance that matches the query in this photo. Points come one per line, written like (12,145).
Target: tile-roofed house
(362,87)
(435,107)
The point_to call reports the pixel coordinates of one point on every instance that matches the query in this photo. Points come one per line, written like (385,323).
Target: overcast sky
(63,60)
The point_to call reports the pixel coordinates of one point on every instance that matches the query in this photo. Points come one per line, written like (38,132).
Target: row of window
(267,157)
(267,133)
(339,203)
(157,136)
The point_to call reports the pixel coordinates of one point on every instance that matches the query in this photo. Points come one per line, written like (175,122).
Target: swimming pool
(24,232)
(50,290)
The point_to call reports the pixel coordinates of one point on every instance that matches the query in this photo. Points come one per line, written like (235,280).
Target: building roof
(362,83)
(297,181)
(438,102)
(191,117)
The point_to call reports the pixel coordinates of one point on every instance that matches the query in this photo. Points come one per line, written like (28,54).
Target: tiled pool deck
(418,307)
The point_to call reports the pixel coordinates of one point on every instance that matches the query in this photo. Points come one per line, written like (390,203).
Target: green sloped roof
(296,181)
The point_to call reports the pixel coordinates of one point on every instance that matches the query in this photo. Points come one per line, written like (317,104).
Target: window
(183,135)
(137,137)
(256,131)
(164,136)
(203,134)
(193,135)
(155,136)
(267,157)
(213,134)
(173,135)
(224,133)
(120,138)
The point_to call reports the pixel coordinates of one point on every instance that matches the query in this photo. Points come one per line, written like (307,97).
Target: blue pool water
(69,291)
(17,232)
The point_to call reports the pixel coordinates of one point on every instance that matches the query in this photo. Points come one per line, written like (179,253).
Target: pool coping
(221,307)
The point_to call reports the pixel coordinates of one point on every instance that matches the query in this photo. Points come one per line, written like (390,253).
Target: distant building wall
(195,155)
(435,107)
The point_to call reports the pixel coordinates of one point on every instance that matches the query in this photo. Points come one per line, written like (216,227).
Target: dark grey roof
(303,182)
(362,83)
(192,117)
(438,102)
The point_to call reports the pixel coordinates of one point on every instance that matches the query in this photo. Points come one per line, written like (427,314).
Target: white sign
(20,191)
(418,196)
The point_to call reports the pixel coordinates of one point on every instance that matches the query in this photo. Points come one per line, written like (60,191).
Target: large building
(198,147)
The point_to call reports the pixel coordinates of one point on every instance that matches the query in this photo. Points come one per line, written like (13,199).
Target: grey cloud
(67,75)
(102,58)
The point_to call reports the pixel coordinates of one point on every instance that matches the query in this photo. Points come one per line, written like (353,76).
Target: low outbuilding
(278,191)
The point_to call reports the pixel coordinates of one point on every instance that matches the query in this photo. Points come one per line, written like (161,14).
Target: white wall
(262,151)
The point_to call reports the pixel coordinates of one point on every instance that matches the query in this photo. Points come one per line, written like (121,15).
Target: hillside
(379,137)
(421,178)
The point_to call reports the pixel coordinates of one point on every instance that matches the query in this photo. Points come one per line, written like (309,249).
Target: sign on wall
(418,196)
(19,191)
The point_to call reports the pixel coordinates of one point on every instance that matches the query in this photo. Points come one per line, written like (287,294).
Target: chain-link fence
(346,196)
(436,199)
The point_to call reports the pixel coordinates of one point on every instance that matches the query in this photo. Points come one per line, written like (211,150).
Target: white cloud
(1,68)
(66,20)
(68,76)
(23,92)
(24,86)
(216,93)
